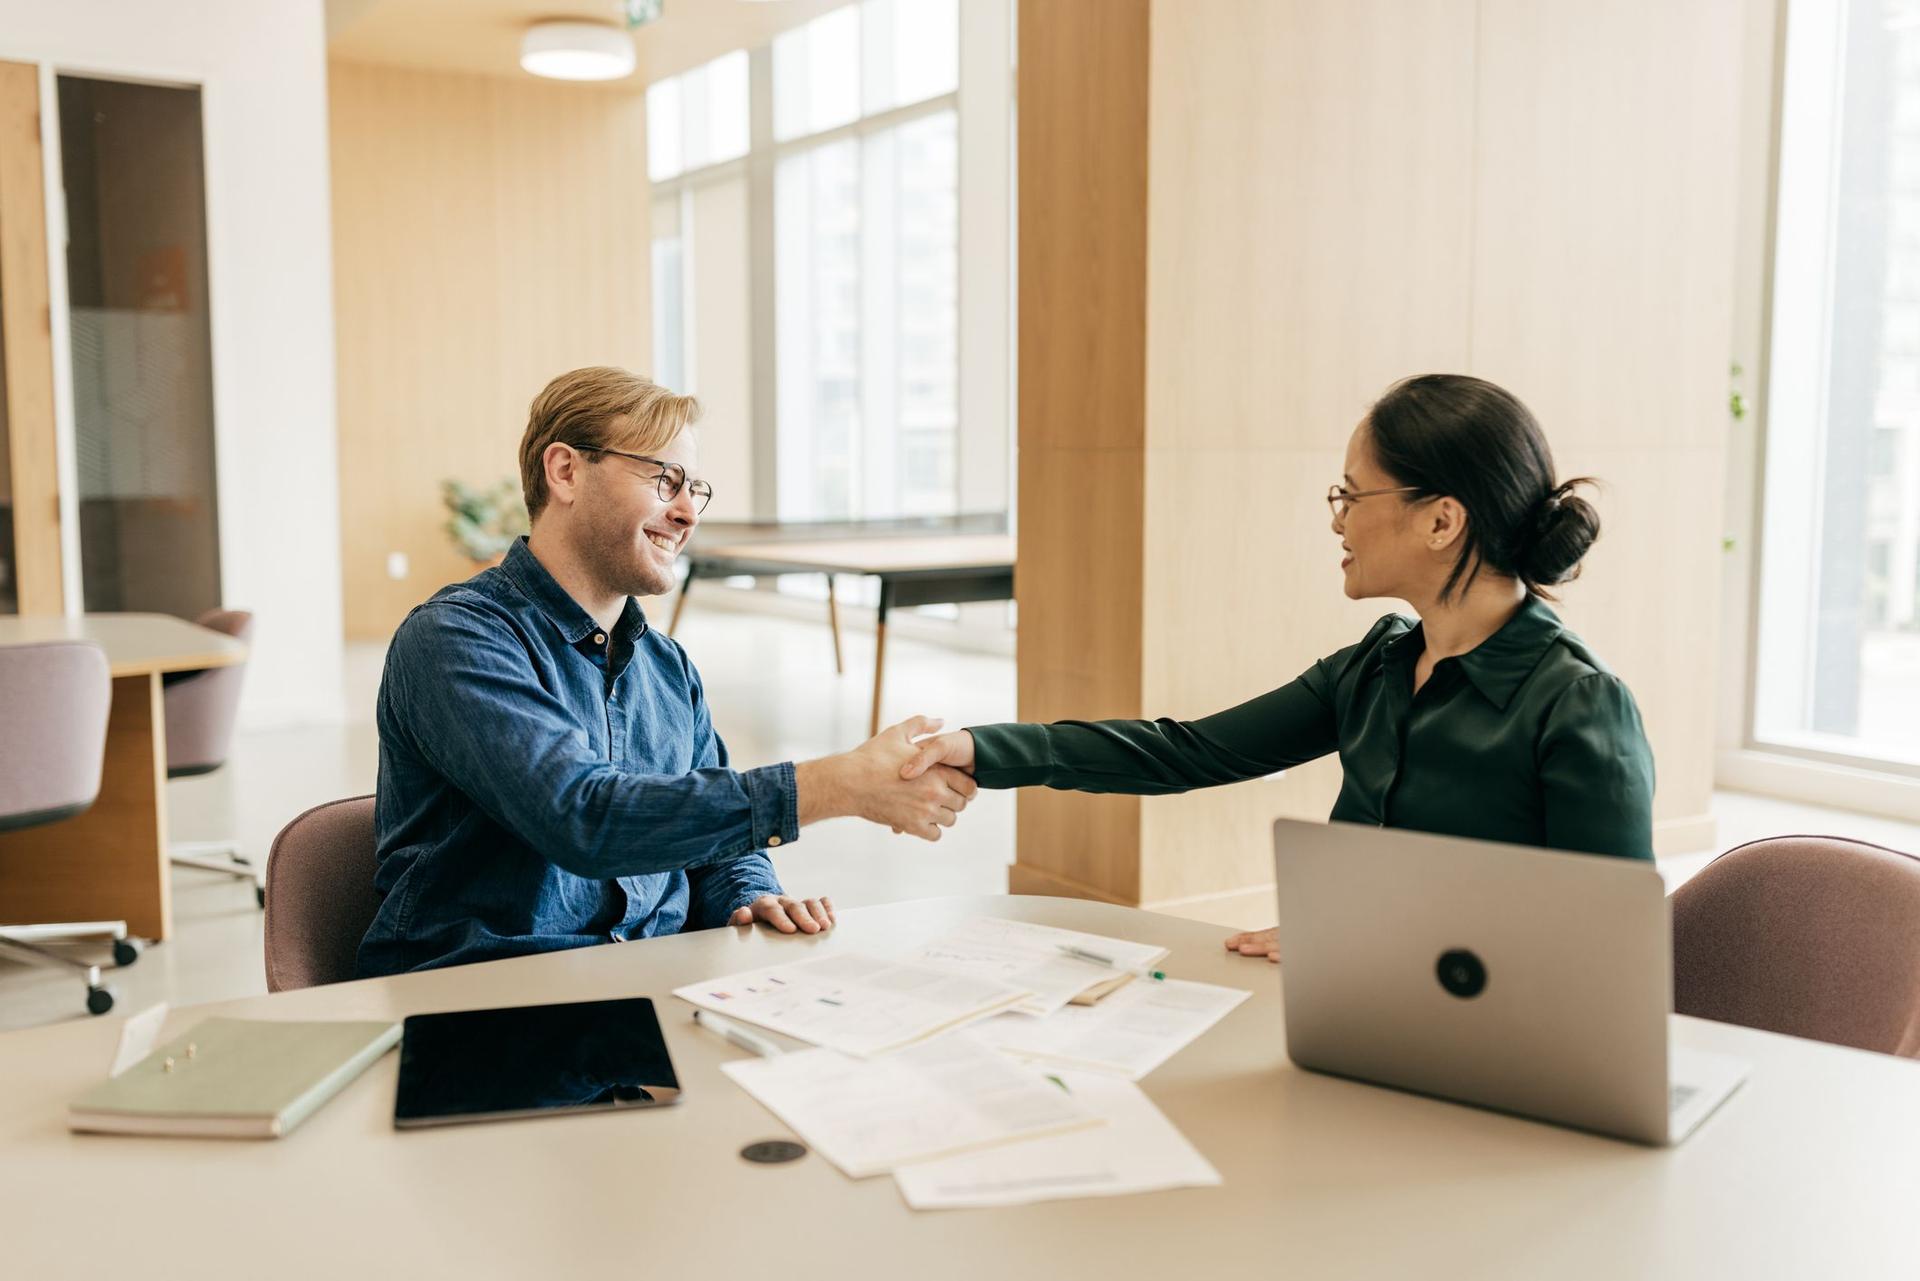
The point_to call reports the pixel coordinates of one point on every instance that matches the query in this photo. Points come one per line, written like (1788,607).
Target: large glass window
(1838,635)
(866,263)
(698,118)
(858,416)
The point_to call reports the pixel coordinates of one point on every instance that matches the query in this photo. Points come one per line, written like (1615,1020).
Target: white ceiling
(483,36)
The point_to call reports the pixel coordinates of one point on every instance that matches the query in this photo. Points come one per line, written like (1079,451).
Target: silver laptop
(1529,981)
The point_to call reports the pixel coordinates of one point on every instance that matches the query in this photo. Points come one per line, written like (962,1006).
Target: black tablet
(532,1060)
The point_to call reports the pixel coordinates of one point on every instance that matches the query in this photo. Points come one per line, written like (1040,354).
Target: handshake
(907,777)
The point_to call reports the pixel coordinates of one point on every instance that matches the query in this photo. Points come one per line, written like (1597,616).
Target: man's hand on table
(787,914)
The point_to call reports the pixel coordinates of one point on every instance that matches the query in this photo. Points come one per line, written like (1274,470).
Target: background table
(914,567)
(1811,1169)
(110,863)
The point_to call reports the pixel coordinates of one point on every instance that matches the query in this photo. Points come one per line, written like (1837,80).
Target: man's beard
(616,563)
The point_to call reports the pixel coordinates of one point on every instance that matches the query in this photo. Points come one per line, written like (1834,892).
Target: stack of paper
(1033,957)
(868,1116)
(1136,1150)
(852,1002)
(1032,1101)
(1128,1034)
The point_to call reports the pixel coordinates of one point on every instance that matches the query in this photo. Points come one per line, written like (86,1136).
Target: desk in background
(110,863)
(1809,1170)
(917,563)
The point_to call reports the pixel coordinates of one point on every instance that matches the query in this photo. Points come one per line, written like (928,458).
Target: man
(549,772)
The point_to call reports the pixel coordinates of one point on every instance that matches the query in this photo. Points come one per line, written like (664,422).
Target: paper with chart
(1137,1150)
(1029,956)
(948,1095)
(1128,1034)
(854,1002)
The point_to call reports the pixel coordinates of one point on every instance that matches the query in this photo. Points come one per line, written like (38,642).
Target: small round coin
(773,1151)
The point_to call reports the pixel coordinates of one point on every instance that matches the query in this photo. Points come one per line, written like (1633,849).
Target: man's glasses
(671,480)
(1339,497)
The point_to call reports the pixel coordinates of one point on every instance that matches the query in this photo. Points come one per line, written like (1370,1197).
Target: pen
(1082,954)
(732,1031)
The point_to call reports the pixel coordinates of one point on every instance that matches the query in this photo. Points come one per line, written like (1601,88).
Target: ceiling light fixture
(576,51)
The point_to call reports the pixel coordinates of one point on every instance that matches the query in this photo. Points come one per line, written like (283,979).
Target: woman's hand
(954,750)
(1256,943)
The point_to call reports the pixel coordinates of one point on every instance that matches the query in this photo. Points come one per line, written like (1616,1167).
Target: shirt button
(772,841)
(599,638)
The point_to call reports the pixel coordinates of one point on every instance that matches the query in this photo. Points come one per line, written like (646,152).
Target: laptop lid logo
(1461,973)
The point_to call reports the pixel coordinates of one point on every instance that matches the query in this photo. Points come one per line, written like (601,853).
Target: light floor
(775,697)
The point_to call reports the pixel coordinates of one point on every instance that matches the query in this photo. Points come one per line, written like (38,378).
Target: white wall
(262,71)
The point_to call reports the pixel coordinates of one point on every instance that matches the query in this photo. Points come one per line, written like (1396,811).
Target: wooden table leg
(109,863)
(680,602)
(833,619)
(879,656)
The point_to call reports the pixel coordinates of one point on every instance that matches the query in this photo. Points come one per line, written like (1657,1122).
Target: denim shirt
(546,785)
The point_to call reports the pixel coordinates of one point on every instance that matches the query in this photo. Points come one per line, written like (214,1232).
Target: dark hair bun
(1564,526)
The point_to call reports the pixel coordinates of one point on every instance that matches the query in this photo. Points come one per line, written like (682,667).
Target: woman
(1483,718)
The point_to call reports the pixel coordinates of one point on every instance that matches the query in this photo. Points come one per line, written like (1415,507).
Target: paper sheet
(945,1096)
(1137,1150)
(853,1002)
(1028,956)
(138,1035)
(1129,1034)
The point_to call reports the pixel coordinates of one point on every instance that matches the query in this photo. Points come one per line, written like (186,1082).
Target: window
(844,223)
(1838,656)
(698,126)
(698,118)
(669,296)
(866,262)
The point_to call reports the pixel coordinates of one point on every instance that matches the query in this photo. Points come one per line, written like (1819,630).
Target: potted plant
(483,522)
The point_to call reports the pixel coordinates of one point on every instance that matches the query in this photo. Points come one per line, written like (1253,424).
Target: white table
(1811,1170)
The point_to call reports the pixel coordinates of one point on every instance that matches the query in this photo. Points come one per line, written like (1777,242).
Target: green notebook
(233,1078)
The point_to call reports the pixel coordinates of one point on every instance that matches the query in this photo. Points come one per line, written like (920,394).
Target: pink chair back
(320,895)
(54,697)
(201,709)
(1814,936)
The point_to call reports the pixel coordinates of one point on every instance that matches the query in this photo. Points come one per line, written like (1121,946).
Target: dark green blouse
(1529,738)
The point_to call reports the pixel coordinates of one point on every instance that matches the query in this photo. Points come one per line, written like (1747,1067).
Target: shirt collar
(1498,665)
(525,571)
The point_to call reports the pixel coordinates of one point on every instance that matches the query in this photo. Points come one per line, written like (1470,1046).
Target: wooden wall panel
(1341,193)
(33,478)
(1082,355)
(1311,217)
(489,233)
(1603,297)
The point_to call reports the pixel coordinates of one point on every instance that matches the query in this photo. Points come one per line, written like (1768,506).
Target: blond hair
(598,407)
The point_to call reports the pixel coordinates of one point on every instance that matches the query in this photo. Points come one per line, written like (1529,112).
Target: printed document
(1128,1034)
(1029,956)
(947,1095)
(854,1002)
(1137,1150)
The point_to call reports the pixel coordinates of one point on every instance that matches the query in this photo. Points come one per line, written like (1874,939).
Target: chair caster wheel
(99,1000)
(126,952)
(260,895)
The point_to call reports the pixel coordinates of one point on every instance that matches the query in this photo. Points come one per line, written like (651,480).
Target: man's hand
(867,782)
(788,915)
(953,750)
(1256,943)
